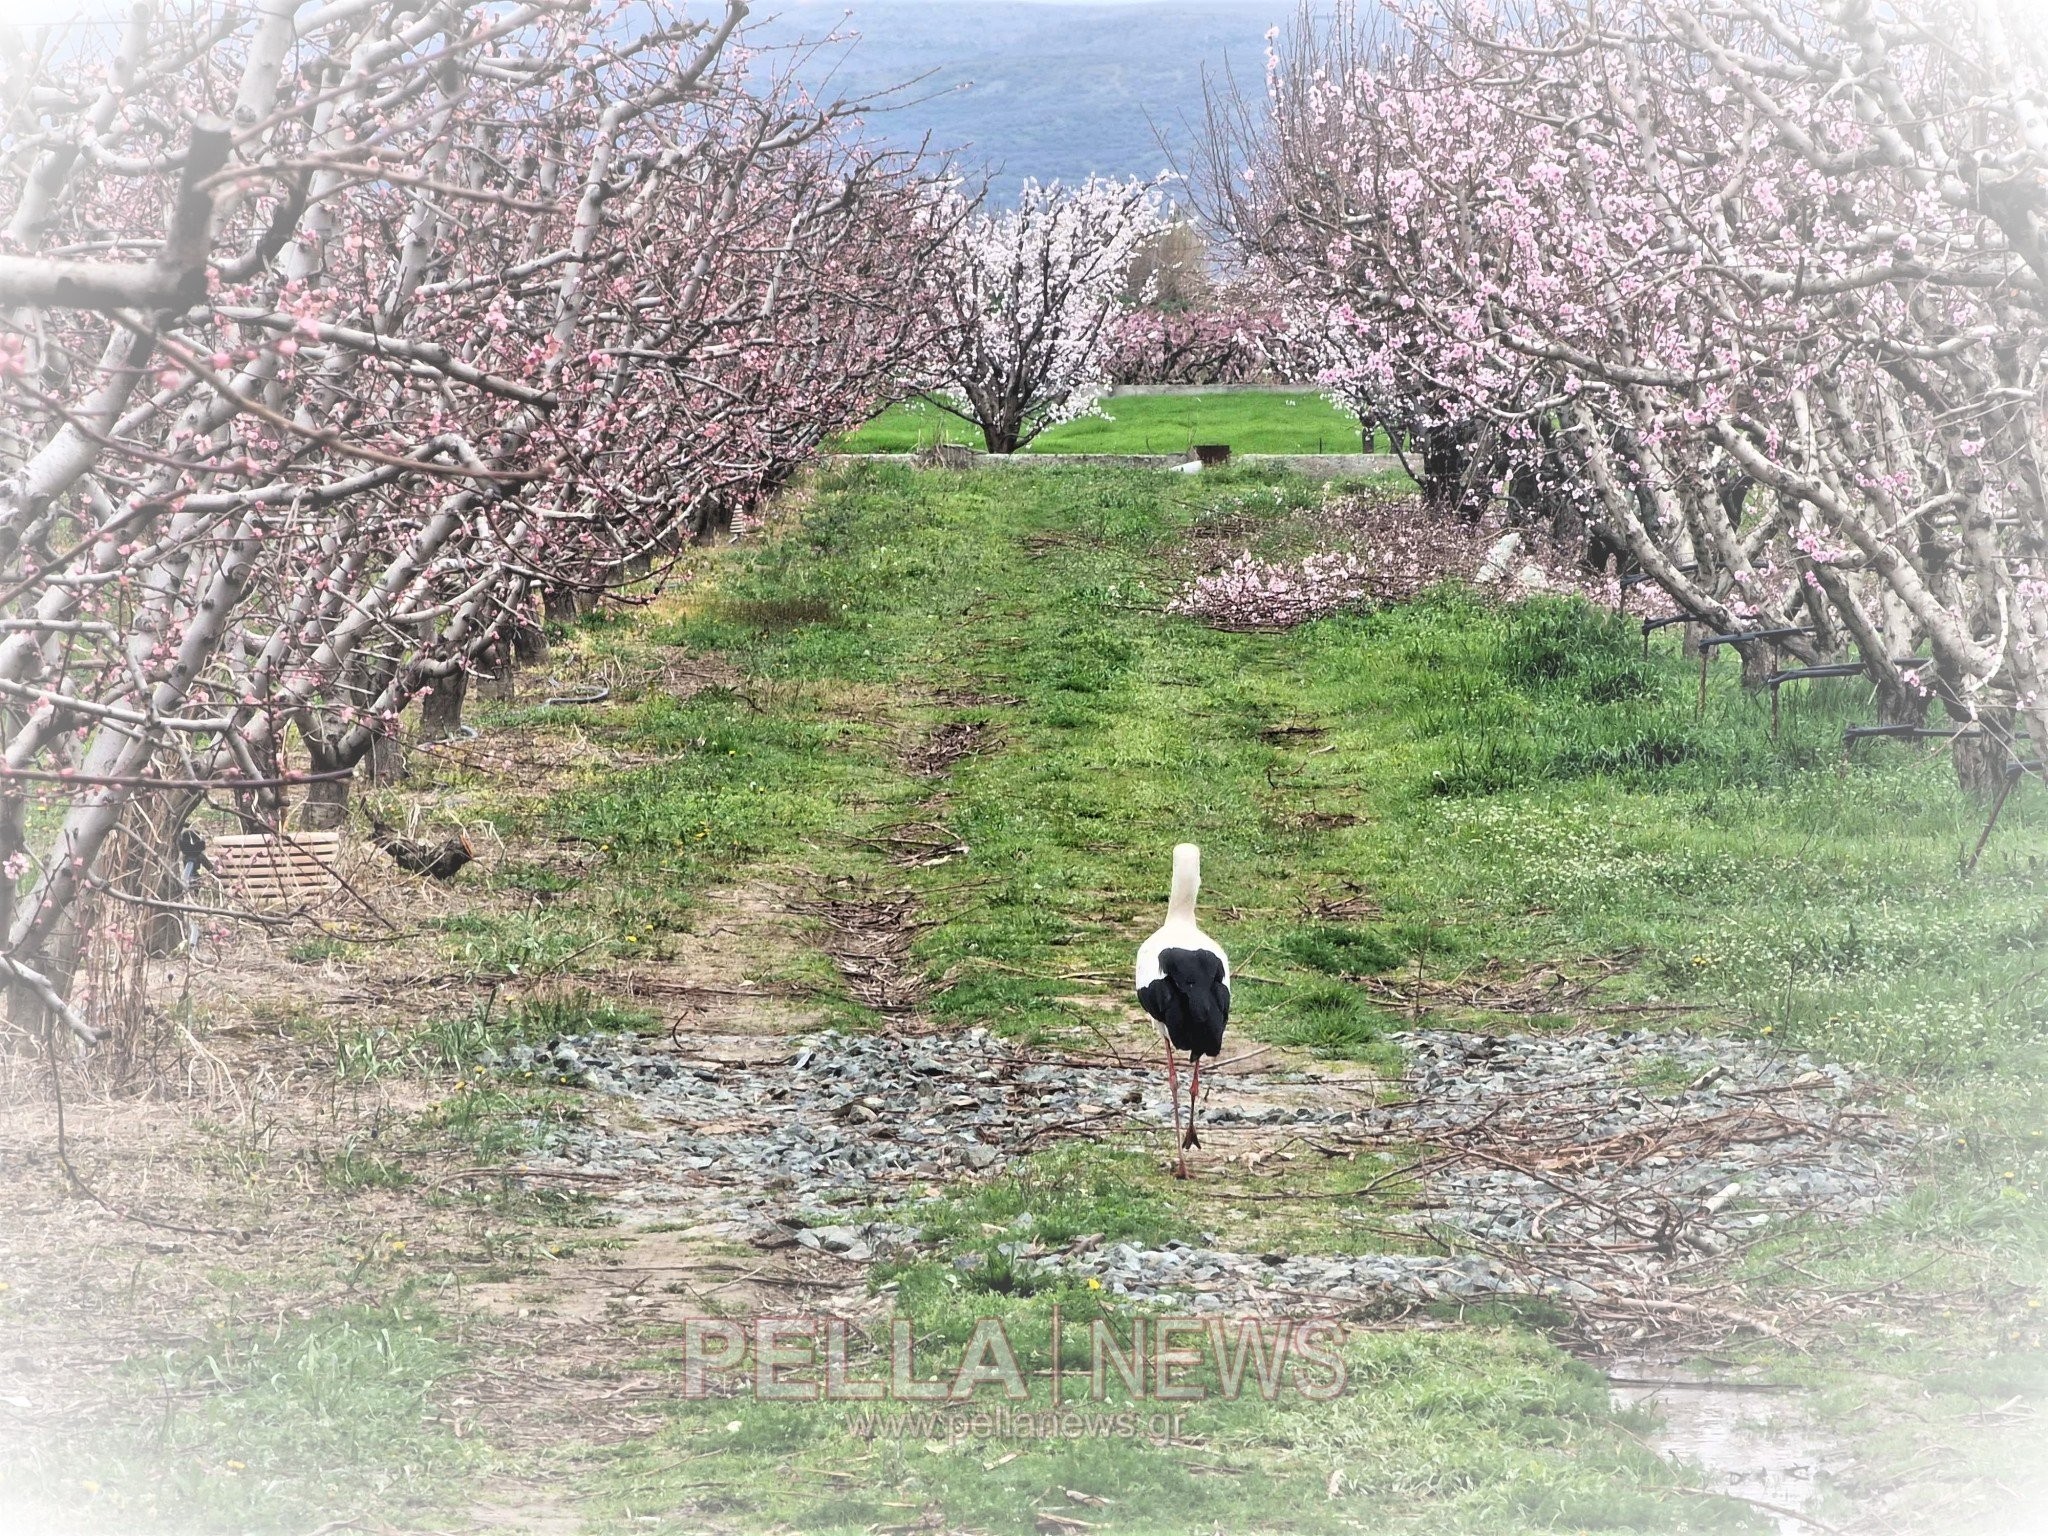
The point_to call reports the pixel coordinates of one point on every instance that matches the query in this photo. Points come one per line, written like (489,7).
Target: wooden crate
(278,871)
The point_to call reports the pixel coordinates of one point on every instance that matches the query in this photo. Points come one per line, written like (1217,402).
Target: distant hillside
(1037,88)
(1044,90)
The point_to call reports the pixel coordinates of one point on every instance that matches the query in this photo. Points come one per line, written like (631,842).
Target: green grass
(458,1045)
(1476,785)
(1249,421)
(1509,784)
(267,1428)
(1482,1430)
(1486,1428)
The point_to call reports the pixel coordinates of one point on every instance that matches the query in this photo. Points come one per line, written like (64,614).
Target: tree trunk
(713,520)
(387,759)
(1733,493)
(529,644)
(161,875)
(561,605)
(1446,455)
(1605,551)
(1001,423)
(441,710)
(1901,706)
(1756,665)
(496,677)
(13,840)
(62,952)
(1982,757)
(326,804)
(1826,634)
(25,1009)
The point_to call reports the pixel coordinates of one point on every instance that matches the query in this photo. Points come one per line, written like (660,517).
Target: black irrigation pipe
(1832,669)
(2014,771)
(1708,642)
(579,696)
(1637,578)
(1855,733)
(1843,669)
(1650,625)
(1802,674)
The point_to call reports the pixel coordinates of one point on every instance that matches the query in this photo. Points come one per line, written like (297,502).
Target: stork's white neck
(1187,880)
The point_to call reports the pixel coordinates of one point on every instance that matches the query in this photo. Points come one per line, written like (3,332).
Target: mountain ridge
(1045,90)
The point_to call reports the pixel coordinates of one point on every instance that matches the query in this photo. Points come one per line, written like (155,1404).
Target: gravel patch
(1217,1280)
(837,1120)
(1581,1167)
(1572,1166)
(1571,1140)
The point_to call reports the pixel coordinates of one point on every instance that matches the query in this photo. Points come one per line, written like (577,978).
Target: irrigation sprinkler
(1832,669)
(1650,625)
(1710,642)
(1735,637)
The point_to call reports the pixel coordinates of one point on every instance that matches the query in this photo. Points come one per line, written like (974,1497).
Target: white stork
(1184,983)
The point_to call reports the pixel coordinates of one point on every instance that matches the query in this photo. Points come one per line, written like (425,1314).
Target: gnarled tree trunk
(441,710)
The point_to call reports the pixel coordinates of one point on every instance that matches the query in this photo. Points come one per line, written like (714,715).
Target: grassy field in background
(1509,784)
(1249,421)
(1508,780)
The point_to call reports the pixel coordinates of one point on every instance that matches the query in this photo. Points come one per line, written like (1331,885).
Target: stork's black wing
(1191,999)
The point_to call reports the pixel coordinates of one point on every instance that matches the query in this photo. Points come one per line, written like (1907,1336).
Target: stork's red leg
(1194,1092)
(1180,1161)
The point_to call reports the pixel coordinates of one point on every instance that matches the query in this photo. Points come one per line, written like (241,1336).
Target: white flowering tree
(1035,294)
